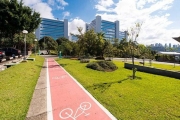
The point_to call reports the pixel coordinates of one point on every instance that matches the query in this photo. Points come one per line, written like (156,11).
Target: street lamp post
(25,32)
(44,43)
(35,45)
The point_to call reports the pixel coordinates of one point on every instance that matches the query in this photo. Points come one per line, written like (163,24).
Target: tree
(15,17)
(61,39)
(48,43)
(124,48)
(109,49)
(101,44)
(19,41)
(133,34)
(81,42)
(90,42)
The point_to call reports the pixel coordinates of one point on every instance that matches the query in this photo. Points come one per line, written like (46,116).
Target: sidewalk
(38,106)
(58,96)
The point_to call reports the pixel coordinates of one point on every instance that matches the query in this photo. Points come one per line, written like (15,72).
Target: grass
(17,85)
(162,66)
(149,97)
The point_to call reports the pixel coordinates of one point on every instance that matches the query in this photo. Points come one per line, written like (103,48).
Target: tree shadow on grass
(136,77)
(63,65)
(41,66)
(104,86)
(51,66)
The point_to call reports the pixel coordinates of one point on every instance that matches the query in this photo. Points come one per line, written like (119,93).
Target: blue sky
(161,18)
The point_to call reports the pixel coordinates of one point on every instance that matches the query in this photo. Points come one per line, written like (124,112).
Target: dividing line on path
(49,105)
(67,99)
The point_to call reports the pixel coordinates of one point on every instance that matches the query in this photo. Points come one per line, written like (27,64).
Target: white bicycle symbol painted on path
(68,112)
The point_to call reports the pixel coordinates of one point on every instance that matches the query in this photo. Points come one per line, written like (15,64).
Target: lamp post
(44,42)
(25,32)
(35,45)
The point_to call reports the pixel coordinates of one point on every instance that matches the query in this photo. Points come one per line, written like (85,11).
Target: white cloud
(128,12)
(51,2)
(60,7)
(104,4)
(63,3)
(65,14)
(31,2)
(43,8)
(74,24)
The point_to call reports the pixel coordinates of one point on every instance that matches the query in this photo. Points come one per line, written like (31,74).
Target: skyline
(160,17)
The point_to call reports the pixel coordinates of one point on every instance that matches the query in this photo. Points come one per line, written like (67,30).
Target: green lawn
(167,67)
(162,66)
(149,97)
(17,85)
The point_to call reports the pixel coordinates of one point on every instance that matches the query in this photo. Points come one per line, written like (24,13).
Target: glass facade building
(52,28)
(123,34)
(73,38)
(110,29)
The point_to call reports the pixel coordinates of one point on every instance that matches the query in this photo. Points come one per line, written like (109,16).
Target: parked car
(43,52)
(2,54)
(9,51)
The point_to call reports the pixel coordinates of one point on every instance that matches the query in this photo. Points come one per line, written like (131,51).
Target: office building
(52,28)
(73,38)
(110,29)
(123,35)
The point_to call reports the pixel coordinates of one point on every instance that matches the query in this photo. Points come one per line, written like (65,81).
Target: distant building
(110,29)
(52,28)
(123,35)
(152,45)
(169,45)
(73,38)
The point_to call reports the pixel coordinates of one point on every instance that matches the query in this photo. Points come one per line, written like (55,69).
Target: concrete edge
(41,115)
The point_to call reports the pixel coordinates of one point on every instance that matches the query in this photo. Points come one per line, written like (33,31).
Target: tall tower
(98,24)
(117,29)
(66,28)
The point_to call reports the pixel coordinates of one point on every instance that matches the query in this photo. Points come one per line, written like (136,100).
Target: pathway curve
(68,100)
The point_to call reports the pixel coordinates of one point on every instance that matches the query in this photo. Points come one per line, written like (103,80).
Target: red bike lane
(69,100)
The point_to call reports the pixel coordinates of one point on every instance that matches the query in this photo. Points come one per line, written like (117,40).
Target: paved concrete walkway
(38,106)
(58,96)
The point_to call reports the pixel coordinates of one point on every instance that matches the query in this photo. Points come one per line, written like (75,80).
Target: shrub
(111,65)
(84,60)
(102,66)
(94,66)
